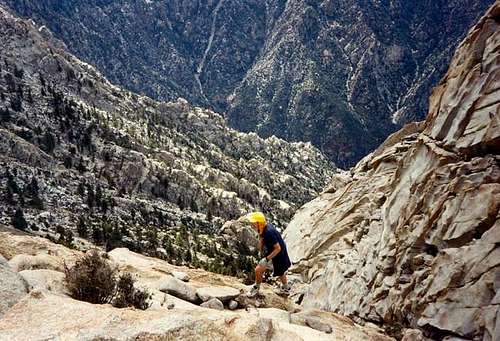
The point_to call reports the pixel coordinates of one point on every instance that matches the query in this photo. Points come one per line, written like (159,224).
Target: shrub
(129,296)
(91,279)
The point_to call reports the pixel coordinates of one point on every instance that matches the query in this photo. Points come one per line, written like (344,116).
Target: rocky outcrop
(334,72)
(48,313)
(410,237)
(237,233)
(181,275)
(12,287)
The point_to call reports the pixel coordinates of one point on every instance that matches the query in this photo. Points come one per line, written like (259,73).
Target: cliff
(409,237)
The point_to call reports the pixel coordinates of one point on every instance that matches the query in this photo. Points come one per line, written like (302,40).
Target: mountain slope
(346,74)
(78,152)
(337,73)
(197,50)
(410,237)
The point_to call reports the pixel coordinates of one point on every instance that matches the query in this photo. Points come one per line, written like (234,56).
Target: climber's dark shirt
(281,262)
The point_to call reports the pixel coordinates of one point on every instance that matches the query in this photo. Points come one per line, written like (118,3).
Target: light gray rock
(177,288)
(413,335)
(187,321)
(43,279)
(181,276)
(12,287)
(317,324)
(35,262)
(235,231)
(213,303)
(232,305)
(224,294)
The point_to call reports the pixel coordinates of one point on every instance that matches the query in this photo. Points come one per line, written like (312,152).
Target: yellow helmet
(256,217)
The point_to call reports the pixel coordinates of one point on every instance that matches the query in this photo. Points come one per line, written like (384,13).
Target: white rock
(232,305)
(177,288)
(213,303)
(39,261)
(222,293)
(43,279)
(50,316)
(181,276)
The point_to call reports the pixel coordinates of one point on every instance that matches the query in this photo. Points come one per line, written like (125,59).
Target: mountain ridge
(333,72)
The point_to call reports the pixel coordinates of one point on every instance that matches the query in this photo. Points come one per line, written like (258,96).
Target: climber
(273,249)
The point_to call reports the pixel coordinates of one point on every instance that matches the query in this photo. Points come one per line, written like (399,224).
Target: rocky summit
(41,309)
(82,159)
(342,74)
(410,237)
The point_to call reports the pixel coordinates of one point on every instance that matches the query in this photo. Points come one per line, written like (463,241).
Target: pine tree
(18,220)
(12,184)
(5,115)
(9,196)
(30,96)
(32,188)
(69,240)
(98,196)
(81,189)
(16,103)
(37,202)
(90,196)
(194,206)
(114,239)
(81,227)
(81,166)
(68,162)
(97,235)
(49,142)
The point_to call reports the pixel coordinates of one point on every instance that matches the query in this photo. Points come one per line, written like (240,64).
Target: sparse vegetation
(93,279)
(127,295)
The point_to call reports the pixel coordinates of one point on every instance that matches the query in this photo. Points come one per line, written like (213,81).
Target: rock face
(12,287)
(46,314)
(80,155)
(333,72)
(412,239)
